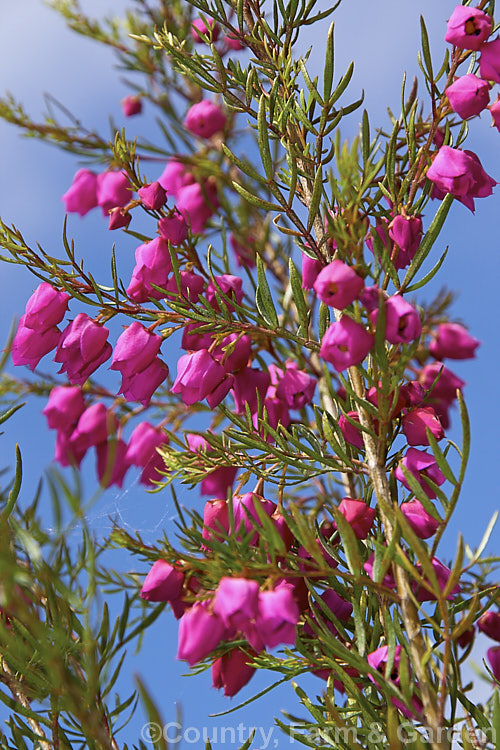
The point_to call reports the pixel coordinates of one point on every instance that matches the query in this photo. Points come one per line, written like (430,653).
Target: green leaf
(16,488)
(349,542)
(329,64)
(263,139)
(254,199)
(263,297)
(426,52)
(440,458)
(429,276)
(8,414)
(428,240)
(299,299)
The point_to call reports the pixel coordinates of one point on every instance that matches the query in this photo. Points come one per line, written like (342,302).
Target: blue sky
(38,54)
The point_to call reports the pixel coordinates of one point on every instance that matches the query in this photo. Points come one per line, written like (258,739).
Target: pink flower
(402,321)
(199,376)
(210,29)
(200,631)
(152,196)
(453,341)
(296,388)
(346,343)
(489,624)
(232,671)
(135,349)
(415,423)
(82,348)
(204,119)
(489,64)
(111,463)
(141,451)
(131,105)
(378,660)
(442,574)
(81,196)
(423,524)
(119,218)
(163,583)
(246,517)
(468,28)
(468,95)
(175,176)
(276,620)
(233,352)
(423,466)
(351,433)
(337,285)
(218,481)
(64,407)
(310,270)
(444,382)
(493,656)
(227,285)
(461,174)
(244,253)
(495,113)
(236,601)
(359,515)
(153,265)
(192,286)
(247,383)
(140,386)
(46,307)
(215,519)
(94,426)
(233,43)
(197,203)
(406,232)
(369,567)
(66,454)
(29,346)
(113,189)
(173,228)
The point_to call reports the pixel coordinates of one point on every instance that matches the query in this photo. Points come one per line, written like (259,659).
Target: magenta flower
(175,176)
(199,376)
(244,253)
(453,341)
(113,189)
(46,307)
(246,384)
(227,285)
(468,28)
(215,519)
(493,656)
(210,29)
(197,203)
(378,660)
(141,451)
(233,43)
(238,349)
(310,270)
(245,514)
(337,285)
(442,574)
(359,515)
(406,232)
(163,583)
(204,119)
(64,407)
(119,218)
(351,433)
(369,566)
(489,624)
(402,321)
(131,105)
(423,466)
(29,346)
(218,481)
(277,618)
(111,463)
(192,286)
(415,423)
(232,671)
(82,195)
(489,64)
(82,348)
(495,113)
(152,196)
(66,454)
(173,228)
(444,382)
(461,174)
(93,427)
(200,631)
(296,388)
(135,349)
(423,524)
(338,606)
(140,386)
(153,265)
(345,343)
(236,601)
(468,95)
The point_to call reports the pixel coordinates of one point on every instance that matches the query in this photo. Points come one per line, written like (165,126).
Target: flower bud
(204,119)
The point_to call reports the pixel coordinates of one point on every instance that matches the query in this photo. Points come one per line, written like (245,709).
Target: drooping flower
(232,671)
(415,423)
(135,349)
(111,462)
(210,28)
(173,228)
(489,64)
(199,376)
(423,524)
(468,95)
(204,119)
(94,426)
(46,307)
(359,515)
(64,407)
(113,189)
(468,28)
(153,265)
(406,232)
(82,348)
(276,620)
(443,574)
(82,195)
(236,601)
(197,203)
(402,321)
(337,285)
(29,345)
(200,631)
(489,624)
(461,174)
(346,343)
(164,583)
(453,341)
(141,451)
(153,196)
(131,105)
(423,466)
(493,656)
